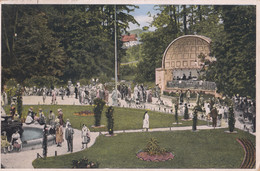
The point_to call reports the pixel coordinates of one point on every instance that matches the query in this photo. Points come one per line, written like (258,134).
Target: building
(181,59)
(129,40)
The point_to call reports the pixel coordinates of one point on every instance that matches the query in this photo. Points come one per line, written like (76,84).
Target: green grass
(202,149)
(124,118)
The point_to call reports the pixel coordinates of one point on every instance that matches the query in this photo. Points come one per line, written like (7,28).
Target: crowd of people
(246,108)
(54,124)
(214,109)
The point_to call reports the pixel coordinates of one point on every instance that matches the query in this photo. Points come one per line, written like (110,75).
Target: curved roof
(208,40)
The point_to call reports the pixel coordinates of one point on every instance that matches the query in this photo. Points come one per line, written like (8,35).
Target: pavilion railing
(192,84)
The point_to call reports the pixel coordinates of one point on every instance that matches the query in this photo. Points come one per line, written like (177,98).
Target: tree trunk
(184,20)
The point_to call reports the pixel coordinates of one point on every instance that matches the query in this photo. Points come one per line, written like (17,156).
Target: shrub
(11,83)
(84,81)
(10,93)
(84,163)
(41,81)
(153,148)
(110,120)
(98,108)
(186,113)
(103,78)
(231,119)
(176,112)
(194,119)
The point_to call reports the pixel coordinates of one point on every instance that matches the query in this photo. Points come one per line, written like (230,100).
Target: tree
(235,51)
(63,41)
(194,119)
(110,120)
(98,108)
(231,119)
(34,49)
(176,112)
(186,112)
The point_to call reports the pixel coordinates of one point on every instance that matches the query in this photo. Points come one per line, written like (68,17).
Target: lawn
(202,149)
(124,118)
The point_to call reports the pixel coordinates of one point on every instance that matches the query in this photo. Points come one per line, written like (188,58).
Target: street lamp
(115,56)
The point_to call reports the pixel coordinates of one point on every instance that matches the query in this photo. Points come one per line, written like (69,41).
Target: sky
(142,17)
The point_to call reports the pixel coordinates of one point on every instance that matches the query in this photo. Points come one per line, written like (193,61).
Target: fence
(205,85)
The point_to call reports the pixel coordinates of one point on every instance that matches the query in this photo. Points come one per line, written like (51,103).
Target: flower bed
(84,113)
(155,158)
(153,152)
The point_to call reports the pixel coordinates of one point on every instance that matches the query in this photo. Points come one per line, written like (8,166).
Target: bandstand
(180,60)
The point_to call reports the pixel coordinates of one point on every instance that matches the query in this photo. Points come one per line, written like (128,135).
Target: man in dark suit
(214,115)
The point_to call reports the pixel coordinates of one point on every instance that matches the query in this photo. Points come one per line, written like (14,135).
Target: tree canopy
(73,42)
(68,42)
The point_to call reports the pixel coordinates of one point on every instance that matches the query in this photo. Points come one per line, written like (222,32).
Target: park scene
(138,86)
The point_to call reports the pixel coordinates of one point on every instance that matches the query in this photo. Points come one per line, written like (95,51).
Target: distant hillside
(136,31)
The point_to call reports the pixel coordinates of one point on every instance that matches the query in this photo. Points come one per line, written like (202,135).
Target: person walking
(43,96)
(146,121)
(53,95)
(214,115)
(60,116)
(85,136)
(188,96)
(59,135)
(69,137)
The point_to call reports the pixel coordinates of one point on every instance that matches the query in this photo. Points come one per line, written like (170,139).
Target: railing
(192,84)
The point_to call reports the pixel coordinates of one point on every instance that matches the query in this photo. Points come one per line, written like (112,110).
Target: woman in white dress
(146,121)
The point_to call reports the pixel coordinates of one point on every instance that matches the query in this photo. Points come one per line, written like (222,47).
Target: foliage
(153,46)
(84,163)
(235,51)
(10,94)
(41,81)
(64,41)
(30,47)
(11,83)
(110,120)
(103,78)
(84,81)
(127,70)
(132,54)
(231,119)
(153,148)
(98,108)
(176,106)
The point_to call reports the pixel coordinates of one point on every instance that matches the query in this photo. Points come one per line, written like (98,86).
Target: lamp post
(115,56)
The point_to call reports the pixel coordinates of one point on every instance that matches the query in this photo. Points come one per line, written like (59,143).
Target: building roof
(128,38)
